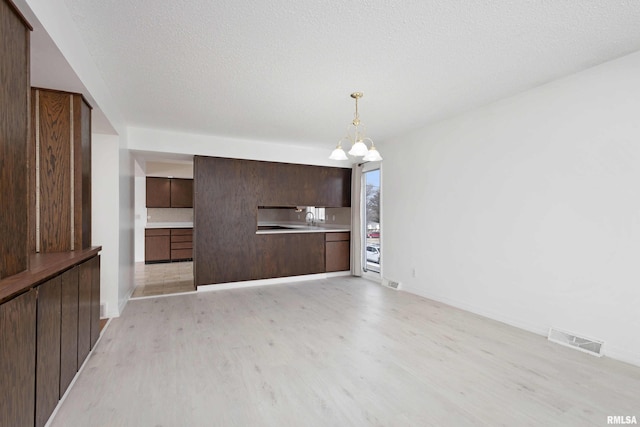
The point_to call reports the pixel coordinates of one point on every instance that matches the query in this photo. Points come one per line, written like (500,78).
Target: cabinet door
(337,252)
(18,360)
(48,344)
(158,192)
(14,131)
(181,193)
(157,248)
(95,300)
(84,311)
(337,256)
(68,328)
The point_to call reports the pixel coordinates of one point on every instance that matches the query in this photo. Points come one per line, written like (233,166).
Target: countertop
(41,268)
(294,227)
(169,225)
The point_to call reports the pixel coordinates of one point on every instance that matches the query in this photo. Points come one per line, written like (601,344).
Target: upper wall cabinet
(181,193)
(158,192)
(14,131)
(61,177)
(169,193)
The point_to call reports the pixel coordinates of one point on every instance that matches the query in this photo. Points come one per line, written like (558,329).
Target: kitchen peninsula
(229,247)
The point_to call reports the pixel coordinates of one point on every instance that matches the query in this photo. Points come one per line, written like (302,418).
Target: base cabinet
(337,252)
(168,244)
(69,329)
(18,360)
(48,344)
(157,245)
(46,334)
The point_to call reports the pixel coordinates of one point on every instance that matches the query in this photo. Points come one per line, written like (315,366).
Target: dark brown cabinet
(18,356)
(227,195)
(181,193)
(95,299)
(181,244)
(158,192)
(169,192)
(14,131)
(337,252)
(157,244)
(45,333)
(48,345)
(68,328)
(285,184)
(168,244)
(61,152)
(85,272)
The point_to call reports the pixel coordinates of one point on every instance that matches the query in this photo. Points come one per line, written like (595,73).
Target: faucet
(313,221)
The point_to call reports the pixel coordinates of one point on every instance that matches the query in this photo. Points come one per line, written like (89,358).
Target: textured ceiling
(283,69)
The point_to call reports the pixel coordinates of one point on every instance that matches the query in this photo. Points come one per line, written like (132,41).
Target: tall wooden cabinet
(49,273)
(60,148)
(14,130)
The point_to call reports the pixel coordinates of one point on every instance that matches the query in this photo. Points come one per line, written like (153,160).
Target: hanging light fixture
(356,137)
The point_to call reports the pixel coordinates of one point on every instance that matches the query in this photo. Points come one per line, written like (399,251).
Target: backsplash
(341,216)
(169,215)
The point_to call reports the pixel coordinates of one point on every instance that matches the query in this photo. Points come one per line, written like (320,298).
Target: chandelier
(356,137)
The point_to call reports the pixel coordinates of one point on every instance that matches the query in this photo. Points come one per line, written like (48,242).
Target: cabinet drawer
(175,239)
(182,231)
(156,232)
(181,245)
(336,237)
(181,254)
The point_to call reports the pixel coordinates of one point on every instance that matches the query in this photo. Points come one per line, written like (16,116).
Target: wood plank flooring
(336,352)
(163,278)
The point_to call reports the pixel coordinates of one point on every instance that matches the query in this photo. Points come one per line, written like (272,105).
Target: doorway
(371,230)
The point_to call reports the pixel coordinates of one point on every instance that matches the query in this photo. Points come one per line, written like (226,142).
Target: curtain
(356,220)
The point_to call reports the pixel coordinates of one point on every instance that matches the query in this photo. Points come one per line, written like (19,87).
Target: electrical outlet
(413,272)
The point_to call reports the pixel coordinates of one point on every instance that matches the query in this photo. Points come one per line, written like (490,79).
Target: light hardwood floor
(336,352)
(163,278)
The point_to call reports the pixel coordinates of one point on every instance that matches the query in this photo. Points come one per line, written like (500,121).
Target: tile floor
(163,278)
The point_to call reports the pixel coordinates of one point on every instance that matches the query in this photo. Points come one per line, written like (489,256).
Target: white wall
(104,221)
(140,219)
(126,200)
(527,210)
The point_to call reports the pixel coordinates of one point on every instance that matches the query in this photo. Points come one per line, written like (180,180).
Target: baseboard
(621,355)
(611,352)
(123,302)
(269,282)
(539,330)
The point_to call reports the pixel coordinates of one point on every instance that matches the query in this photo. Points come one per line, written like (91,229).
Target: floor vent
(391,283)
(588,345)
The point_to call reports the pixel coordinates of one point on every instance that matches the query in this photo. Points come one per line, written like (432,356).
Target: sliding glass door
(371,248)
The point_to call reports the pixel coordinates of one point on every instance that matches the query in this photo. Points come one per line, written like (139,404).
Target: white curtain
(356,220)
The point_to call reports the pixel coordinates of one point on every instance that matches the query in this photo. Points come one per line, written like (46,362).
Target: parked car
(373,254)
(373,234)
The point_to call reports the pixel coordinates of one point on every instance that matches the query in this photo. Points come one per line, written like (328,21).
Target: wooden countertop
(41,268)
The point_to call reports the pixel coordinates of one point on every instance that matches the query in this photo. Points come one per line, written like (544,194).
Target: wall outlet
(413,272)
